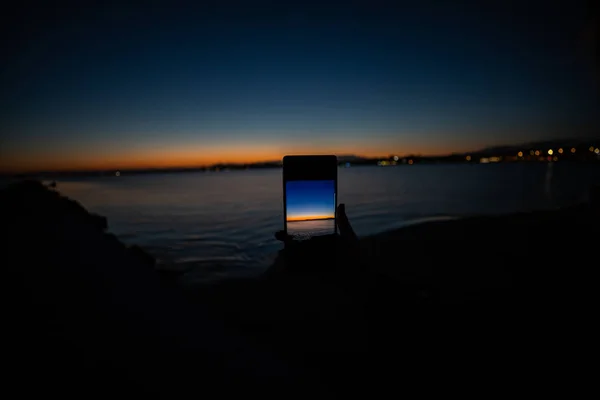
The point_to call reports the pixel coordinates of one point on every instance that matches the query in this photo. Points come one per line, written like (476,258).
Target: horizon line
(200,166)
(33,171)
(309,219)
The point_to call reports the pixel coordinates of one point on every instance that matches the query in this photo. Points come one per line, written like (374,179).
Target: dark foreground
(481,306)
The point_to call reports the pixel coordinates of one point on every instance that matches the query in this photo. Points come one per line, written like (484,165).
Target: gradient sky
(310,199)
(114,86)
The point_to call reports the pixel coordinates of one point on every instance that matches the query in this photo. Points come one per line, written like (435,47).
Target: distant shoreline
(585,151)
(312,219)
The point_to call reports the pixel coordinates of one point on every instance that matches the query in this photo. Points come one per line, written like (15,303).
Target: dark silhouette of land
(483,305)
(584,152)
(310,219)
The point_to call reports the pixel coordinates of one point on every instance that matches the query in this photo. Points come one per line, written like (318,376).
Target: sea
(214,225)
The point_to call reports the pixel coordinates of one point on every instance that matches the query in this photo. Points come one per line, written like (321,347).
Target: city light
(541,154)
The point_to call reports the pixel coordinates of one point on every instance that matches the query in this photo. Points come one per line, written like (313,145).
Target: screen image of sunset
(310,200)
(310,208)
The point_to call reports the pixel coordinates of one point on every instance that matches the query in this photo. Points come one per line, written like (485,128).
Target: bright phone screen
(310,208)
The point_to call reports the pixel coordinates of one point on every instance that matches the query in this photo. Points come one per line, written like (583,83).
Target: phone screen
(310,208)
(310,184)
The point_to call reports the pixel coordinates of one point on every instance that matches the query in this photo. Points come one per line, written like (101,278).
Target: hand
(346,232)
(333,254)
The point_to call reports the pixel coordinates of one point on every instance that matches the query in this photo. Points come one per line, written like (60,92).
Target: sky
(115,86)
(310,200)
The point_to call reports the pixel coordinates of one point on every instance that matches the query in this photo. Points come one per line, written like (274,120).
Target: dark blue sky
(118,85)
(306,199)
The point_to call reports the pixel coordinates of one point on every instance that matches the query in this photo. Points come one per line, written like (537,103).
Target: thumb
(343,223)
(282,236)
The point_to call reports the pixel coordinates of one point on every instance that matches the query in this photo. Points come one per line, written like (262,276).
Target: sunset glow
(206,85)
(309,218)
(113,156)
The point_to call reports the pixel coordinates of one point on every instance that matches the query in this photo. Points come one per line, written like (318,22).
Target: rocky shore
(477,301)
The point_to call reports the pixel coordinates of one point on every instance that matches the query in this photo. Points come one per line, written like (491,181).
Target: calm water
(222,224)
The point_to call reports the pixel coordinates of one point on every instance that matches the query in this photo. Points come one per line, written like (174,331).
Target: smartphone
(309,196)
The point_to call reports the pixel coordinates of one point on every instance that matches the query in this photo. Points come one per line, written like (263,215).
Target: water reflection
(236,213)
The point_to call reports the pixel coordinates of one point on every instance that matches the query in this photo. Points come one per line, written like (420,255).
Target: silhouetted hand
(344,227)
(339,253)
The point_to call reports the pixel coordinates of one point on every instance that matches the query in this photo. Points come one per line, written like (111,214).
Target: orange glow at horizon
(129,157)
(135,160)
(309,218)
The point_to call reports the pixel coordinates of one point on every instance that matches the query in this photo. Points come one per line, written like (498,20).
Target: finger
(344,226)
(282,236)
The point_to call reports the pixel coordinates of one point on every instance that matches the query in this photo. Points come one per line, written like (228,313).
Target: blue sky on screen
(310,199)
